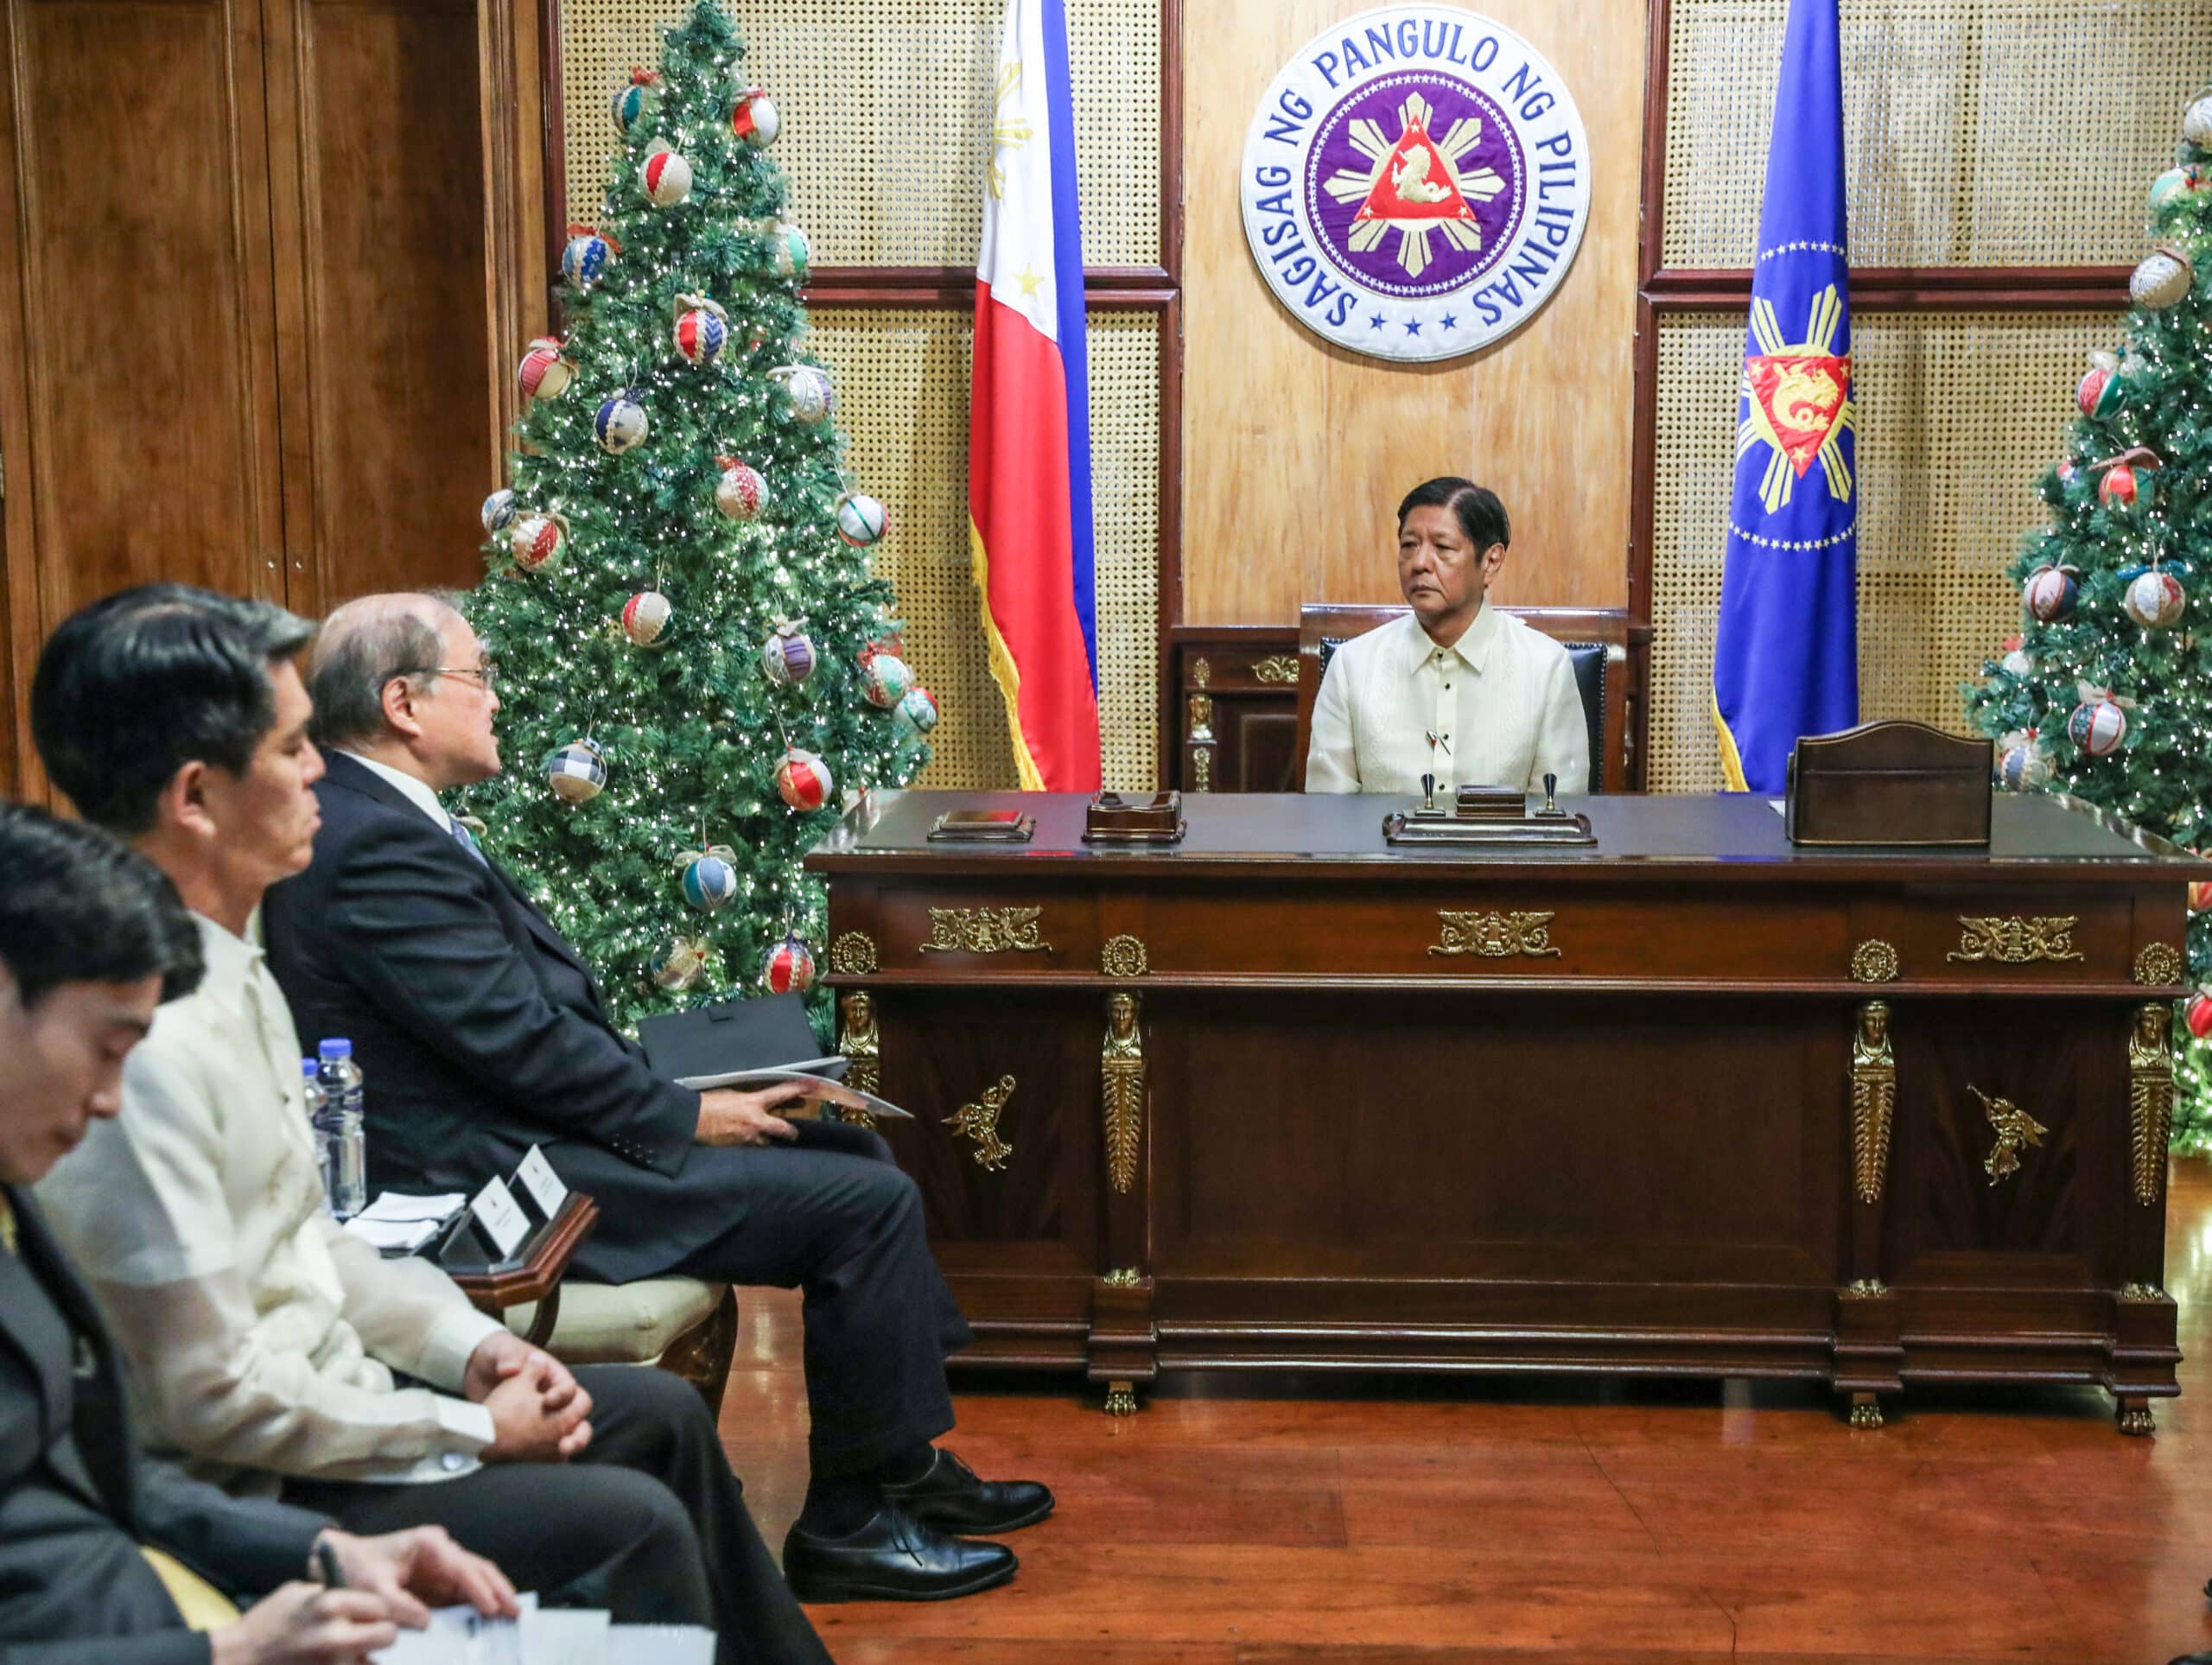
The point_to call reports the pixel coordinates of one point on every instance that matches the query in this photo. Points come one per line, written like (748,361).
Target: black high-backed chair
(1597,646)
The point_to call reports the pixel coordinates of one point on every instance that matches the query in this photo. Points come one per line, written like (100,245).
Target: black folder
(768,1032)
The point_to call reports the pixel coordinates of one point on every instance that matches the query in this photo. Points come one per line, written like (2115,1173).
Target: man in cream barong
(1454,689)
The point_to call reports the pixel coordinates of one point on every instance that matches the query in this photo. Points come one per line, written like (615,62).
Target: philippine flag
(1029,431)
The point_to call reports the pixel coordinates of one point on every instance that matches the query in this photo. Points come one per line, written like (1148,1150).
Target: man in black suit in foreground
(481,1034)
(92,938)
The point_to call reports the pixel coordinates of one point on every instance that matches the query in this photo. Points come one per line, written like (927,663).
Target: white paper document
(560,1636)
(816,1087)
(403,1237)
(396,1205)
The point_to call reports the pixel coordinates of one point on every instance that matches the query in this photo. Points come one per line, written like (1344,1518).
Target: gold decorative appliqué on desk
(1276,668)
(2016,1130)
(1121,1084)
(2150,1098)
(1874,1098)
(1493,936)
(1122,1277)
(986,931)
(2015,939)
(979,1121)
(852,955)
(1123,957)
(2158,966)
(860,1042)
(1874,961)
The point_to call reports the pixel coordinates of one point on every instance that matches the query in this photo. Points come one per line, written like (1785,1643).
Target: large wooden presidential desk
(1694,1102)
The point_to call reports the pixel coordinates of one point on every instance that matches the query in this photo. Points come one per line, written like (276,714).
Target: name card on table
(501,1217)
(541,1184)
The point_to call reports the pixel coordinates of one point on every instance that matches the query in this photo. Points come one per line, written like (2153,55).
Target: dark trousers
(648,1522)
(834,1215)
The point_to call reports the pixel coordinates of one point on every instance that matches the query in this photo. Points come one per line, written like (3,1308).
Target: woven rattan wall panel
(1957,415)
(885,106)
(902,402)
(1981,132)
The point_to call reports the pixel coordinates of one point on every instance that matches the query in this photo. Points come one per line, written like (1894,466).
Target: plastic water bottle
(347,1175)
(311,1087)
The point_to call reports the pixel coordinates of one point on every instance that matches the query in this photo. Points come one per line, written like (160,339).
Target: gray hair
(363,646)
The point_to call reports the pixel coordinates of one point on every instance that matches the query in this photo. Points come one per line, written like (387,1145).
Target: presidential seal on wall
(1416,183)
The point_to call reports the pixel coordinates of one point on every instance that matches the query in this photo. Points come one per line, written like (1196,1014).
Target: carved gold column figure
(2015,1130)
(1121,1080)
(2150,1098)
(1874,1098)
(858,1042)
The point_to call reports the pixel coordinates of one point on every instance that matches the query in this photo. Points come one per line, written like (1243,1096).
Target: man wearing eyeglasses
(481,1032)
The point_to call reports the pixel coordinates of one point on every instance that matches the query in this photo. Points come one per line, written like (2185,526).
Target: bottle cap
(335,1049)
(307,1066)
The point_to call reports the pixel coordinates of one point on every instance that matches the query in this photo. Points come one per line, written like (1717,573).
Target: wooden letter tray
(1112,818)
(1890,783)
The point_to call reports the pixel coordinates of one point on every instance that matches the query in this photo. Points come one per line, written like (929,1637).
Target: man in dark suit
(101,1552)
(481,1034)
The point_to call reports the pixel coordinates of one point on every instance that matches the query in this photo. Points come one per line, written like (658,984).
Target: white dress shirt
(418,792)
(263,1338)
(1501,701)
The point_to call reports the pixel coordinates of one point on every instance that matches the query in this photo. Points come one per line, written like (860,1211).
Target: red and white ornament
(2016,661)
(862,520)
(754,118)
(2197,1014)
(2155,599)
(2199,890)
(2099,724)
(787,656)
(740,491)
(2123,481)
(884,677)
(701,330)
(543,373)
(808,389)
(802,780)
(644,616)
(665,176)
(2101,391)
(788,966)
(538,541)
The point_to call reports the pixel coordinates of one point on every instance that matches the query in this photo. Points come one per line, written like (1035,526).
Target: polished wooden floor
(1254,1519)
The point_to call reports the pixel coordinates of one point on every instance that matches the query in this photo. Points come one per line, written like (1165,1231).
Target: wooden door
(138,414)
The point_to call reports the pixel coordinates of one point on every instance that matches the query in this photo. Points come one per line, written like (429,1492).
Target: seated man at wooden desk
(1455,689)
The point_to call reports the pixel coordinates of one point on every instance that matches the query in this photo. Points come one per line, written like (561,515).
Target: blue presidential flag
(1785,661)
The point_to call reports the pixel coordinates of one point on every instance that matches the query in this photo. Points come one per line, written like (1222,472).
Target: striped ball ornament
(543,373)
(2052,592)
(537,541)
(644,616)
(754,117)
(665,176)
(787,656)
(802,780)
(708,882)
(701,330)
(809,390)
(2023,768)
(499,511)
(740,491)
(788,968)
(632,102)
(792,249)
(2098,725)
(862,520)
(583,260)
(621,424)
(576,771)
(2102,392)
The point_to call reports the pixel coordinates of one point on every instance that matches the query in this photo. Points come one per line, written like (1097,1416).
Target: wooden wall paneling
(509,46)
(377,202)
(1302,451)
(140,421)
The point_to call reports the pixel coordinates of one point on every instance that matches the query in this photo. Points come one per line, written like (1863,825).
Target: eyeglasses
(486,675)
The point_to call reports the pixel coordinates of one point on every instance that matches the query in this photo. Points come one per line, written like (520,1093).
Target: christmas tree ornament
(802,780)
(537,541)
(583,261)
(701,330)
(2164,279)
(2017,662)
(631,102)
(2196,122)
(497,512)
(2021,765)
(753,117)
(740,491)
(2100,722)
(787,656)
(883,677)
(543,373)
(861,521)
(665,174)
(916,712)
(2122,481)
(788,966)
(2155,599)
(808,390)
(709,876)
(576,771)
(2051,592)
(2102,392)
(2173,183)
(677,964)
(2200,892)
(644,616)
(2197,1014)
(2067,471)
(621,424)
(791,248)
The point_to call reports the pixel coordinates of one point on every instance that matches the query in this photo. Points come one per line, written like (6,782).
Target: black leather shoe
(893,1557)
(951,1498)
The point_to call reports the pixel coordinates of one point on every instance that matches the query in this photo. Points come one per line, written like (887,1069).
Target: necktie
(467,839)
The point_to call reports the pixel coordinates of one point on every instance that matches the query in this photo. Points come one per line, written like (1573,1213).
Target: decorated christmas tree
(2106,693)
(696,665)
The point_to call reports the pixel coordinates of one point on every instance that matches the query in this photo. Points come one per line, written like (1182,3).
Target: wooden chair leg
(702,1354)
